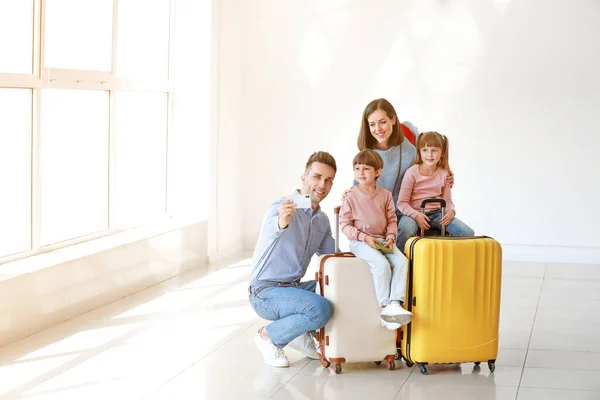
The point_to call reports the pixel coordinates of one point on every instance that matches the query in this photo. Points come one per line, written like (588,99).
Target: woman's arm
(450,179)
(450,209)
(408,154)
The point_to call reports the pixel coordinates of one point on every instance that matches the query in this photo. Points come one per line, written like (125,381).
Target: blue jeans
(388,270)
(408,227)
(295,310)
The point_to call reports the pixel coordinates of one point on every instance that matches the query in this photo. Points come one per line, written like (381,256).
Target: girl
(428,177)
(368,219)
(380,131)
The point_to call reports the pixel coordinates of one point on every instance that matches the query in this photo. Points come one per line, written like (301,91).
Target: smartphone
(383,248)
(300,200)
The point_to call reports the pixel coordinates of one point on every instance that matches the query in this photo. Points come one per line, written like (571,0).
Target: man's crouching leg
(296,311)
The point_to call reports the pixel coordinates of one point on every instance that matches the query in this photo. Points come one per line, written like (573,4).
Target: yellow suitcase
(453,290)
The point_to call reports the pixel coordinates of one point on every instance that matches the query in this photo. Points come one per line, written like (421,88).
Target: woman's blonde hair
(433,139)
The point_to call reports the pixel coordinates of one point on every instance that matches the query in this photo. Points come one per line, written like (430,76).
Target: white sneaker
(273,356)
(392,326)
(395,313)
(305,344)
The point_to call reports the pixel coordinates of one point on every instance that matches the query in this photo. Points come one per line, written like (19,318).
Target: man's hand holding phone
(300,200)
(286,209)
(288,206)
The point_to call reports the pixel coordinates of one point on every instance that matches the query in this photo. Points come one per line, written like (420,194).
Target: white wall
(514,84)
(227,129)
(191,118)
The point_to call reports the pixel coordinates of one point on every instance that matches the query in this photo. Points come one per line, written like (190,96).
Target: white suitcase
(354,332)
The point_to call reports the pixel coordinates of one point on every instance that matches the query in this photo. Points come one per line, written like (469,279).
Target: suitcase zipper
(412,301)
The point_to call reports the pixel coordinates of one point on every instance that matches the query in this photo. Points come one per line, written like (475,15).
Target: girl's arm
(406,189)
(347,222)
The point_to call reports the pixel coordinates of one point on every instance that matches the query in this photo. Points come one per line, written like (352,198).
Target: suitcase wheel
(477,363)
(391,365)
(423,368)
(337,368)
(492,365)
(325,363)
(377,362)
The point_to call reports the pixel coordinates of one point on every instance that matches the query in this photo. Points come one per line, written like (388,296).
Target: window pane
(16,23)
(74,163)
(141,145)
(15,164)
(79,34)
(143,43)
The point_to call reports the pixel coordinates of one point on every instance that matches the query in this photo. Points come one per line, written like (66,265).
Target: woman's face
(381,126)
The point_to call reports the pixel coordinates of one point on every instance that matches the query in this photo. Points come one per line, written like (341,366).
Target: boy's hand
(286,212)
(450,179)
(390,244)
(370,240)
(448,217)
(422,221)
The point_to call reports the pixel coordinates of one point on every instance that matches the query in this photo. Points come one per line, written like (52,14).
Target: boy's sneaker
(395,313)
(272,355)
(305,344)
(392,326)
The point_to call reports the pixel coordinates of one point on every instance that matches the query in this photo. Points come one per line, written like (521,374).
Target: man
(288,239)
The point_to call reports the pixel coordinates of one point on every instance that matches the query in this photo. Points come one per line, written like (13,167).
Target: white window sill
(59,256)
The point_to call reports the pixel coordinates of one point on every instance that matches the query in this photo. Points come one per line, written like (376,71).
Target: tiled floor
(191,338)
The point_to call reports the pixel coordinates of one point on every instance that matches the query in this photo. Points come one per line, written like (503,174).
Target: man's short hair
(323,158)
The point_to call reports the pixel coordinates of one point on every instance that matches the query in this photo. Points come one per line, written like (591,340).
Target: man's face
(317,182)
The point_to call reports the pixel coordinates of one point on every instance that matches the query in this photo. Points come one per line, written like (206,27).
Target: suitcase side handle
(336,212)
(443,208)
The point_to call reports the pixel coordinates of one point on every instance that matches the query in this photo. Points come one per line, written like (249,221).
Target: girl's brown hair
(433,139)
(365,139)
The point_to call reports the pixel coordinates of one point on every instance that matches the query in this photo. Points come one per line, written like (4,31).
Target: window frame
(63,78)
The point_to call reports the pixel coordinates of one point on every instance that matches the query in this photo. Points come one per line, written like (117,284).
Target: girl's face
(365,174)
(381,126)
(431,156)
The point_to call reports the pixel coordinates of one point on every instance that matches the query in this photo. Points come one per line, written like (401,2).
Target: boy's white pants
(388,270)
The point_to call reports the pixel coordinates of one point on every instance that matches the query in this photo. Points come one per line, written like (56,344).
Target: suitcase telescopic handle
(336,211)
(434,200)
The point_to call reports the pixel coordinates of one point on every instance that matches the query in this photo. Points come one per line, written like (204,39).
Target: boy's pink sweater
(416,187)
(363,215)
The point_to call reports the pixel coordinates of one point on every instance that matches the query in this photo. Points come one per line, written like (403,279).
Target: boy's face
(317,182)
(365,174)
